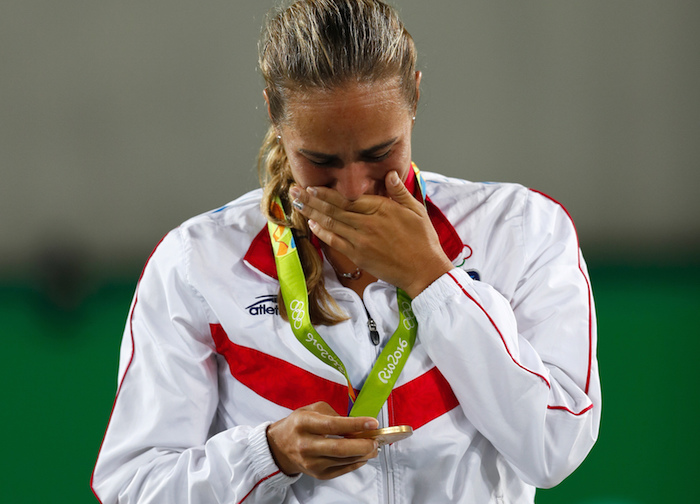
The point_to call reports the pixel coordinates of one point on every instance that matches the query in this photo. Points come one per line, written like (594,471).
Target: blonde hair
(323,45)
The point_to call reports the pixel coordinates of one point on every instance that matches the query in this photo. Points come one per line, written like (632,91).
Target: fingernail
(294,192)
(394,178)
(372,424)
(312,224)
(298,204)
(312,191)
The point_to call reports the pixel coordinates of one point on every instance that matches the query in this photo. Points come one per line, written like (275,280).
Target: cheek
(307,176)
(402,164)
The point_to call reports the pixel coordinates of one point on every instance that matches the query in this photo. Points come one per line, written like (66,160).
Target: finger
(397,191)
(333,240)
(320,407)
(346,459)
(328,208)
(342,225)
(334,472)
(327,201)
(335,425)
(330,223)
(337,451)
(319,457)
(338,467)
(317,453)
(329,196)
(365,204)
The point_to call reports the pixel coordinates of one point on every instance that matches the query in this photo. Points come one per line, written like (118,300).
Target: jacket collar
(260,257)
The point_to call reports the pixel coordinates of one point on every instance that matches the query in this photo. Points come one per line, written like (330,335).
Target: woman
(472,300)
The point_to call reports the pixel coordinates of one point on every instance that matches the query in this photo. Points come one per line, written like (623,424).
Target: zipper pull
(373,333)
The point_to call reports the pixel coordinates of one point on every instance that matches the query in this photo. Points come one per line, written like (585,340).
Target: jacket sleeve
(523,369)
(159,445)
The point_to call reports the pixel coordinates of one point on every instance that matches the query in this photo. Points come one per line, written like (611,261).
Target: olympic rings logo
(297,307)
(409,321)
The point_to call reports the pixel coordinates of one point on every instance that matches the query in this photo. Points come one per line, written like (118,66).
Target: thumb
(396,190)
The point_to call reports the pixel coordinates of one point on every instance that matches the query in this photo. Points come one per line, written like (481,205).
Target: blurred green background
(119,120)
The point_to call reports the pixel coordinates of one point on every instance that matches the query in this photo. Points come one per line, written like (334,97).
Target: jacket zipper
(372,326)
(385,455)
(387,463)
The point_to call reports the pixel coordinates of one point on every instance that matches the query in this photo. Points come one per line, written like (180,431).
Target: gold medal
(384,436)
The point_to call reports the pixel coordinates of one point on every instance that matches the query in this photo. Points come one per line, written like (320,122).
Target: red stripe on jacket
(414,403)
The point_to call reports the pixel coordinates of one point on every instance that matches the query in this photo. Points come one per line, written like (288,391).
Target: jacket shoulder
(223,234)
(238,214)
(503,200)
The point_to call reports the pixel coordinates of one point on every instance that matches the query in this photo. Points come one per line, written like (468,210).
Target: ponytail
(276,180)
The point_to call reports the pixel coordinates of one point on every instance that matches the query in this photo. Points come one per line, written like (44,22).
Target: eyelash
(327,162)
(381,157)
(371,159)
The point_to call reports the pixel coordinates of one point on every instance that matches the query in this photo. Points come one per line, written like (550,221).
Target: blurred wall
(118,120)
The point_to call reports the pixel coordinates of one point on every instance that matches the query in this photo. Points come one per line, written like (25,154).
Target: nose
(354,180)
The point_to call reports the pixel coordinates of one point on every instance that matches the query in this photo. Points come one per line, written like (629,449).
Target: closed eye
(380,152)
(327,162)
(379,157)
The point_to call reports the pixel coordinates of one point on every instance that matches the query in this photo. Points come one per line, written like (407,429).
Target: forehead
(354,97)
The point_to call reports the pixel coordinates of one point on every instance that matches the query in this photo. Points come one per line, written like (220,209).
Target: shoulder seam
(186,249)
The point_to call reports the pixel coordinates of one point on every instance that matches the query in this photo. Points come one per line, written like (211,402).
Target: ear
(419,76)
(267,101)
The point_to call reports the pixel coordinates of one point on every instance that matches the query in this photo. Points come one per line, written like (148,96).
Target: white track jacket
(501,389)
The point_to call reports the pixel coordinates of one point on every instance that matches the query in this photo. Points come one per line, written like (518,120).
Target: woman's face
(348,138)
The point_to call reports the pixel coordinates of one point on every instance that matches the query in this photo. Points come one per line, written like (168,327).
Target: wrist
(427,277)
(281,460)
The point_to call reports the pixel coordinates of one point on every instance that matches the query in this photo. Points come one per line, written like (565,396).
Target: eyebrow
(364,152)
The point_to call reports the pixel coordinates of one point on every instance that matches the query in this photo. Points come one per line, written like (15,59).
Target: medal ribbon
(295,296)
